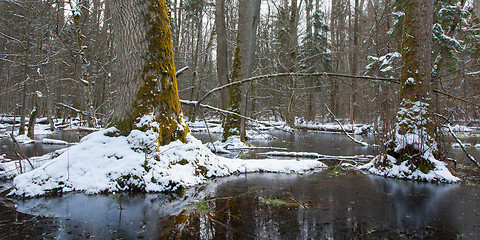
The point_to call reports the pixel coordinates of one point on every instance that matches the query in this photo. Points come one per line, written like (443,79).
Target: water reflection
(8,148)
(275,206)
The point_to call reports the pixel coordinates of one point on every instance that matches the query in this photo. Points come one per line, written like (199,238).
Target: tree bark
(222,51)
(242,61)
(414,117)
(146,80)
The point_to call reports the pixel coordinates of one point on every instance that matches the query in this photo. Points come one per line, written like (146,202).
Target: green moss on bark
(158,93)
(233,122)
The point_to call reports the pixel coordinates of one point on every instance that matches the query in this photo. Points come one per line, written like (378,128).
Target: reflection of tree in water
(320,207)
(418,209)
(274,206)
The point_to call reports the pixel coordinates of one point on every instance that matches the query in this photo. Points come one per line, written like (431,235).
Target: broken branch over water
(343,129)
(458,141)
(355,158)
(197,103)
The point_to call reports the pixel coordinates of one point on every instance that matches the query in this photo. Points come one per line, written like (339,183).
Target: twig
(22,153)
(181,71)
(343,129)
(462,146)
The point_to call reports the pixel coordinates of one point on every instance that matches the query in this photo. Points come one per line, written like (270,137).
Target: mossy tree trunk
(243,58)
(146,80)
(414,139)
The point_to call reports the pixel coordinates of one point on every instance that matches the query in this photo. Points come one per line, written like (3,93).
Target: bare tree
(222,50)
(249,11)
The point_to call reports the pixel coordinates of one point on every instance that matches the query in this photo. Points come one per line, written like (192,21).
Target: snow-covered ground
(405,170)
(107,164)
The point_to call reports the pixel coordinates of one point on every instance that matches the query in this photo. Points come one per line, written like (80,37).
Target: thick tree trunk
(146,80)
(415,127)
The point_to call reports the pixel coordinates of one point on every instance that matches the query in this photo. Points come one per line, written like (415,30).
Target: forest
(179,96)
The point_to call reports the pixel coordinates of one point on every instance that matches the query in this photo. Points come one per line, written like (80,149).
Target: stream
(315,205)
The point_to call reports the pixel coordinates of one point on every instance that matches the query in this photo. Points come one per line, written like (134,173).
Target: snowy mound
(100,163)
(389,167)
(232,143)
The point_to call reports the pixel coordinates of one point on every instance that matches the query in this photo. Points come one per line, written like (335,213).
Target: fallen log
(355,158)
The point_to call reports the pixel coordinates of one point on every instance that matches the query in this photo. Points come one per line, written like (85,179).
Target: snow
(410,80)
(403,170)
(24,139)
(357,129)
(232,143)
(107,164)
(54,141)
(10,169)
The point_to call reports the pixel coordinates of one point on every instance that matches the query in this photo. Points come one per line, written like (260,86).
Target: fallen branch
(257,148)
(22,154)
(196,103)
(356,158)
(343,129)
(462,146)
(391,80)
(292,75)
(72,108)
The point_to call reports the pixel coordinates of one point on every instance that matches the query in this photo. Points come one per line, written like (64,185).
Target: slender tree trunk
(80,17)
(292,62)
(333,56)
(33,116)
(196,81)
(21,129)
(222,51)
(355,53)
(234,125)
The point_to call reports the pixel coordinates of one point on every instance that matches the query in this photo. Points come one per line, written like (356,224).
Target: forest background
(58,57)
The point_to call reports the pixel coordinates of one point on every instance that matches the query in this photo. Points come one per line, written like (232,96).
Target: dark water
(336,144)
(317,205)
(38,148)
(312,206)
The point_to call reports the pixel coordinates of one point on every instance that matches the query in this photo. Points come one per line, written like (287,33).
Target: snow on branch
(181,71)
